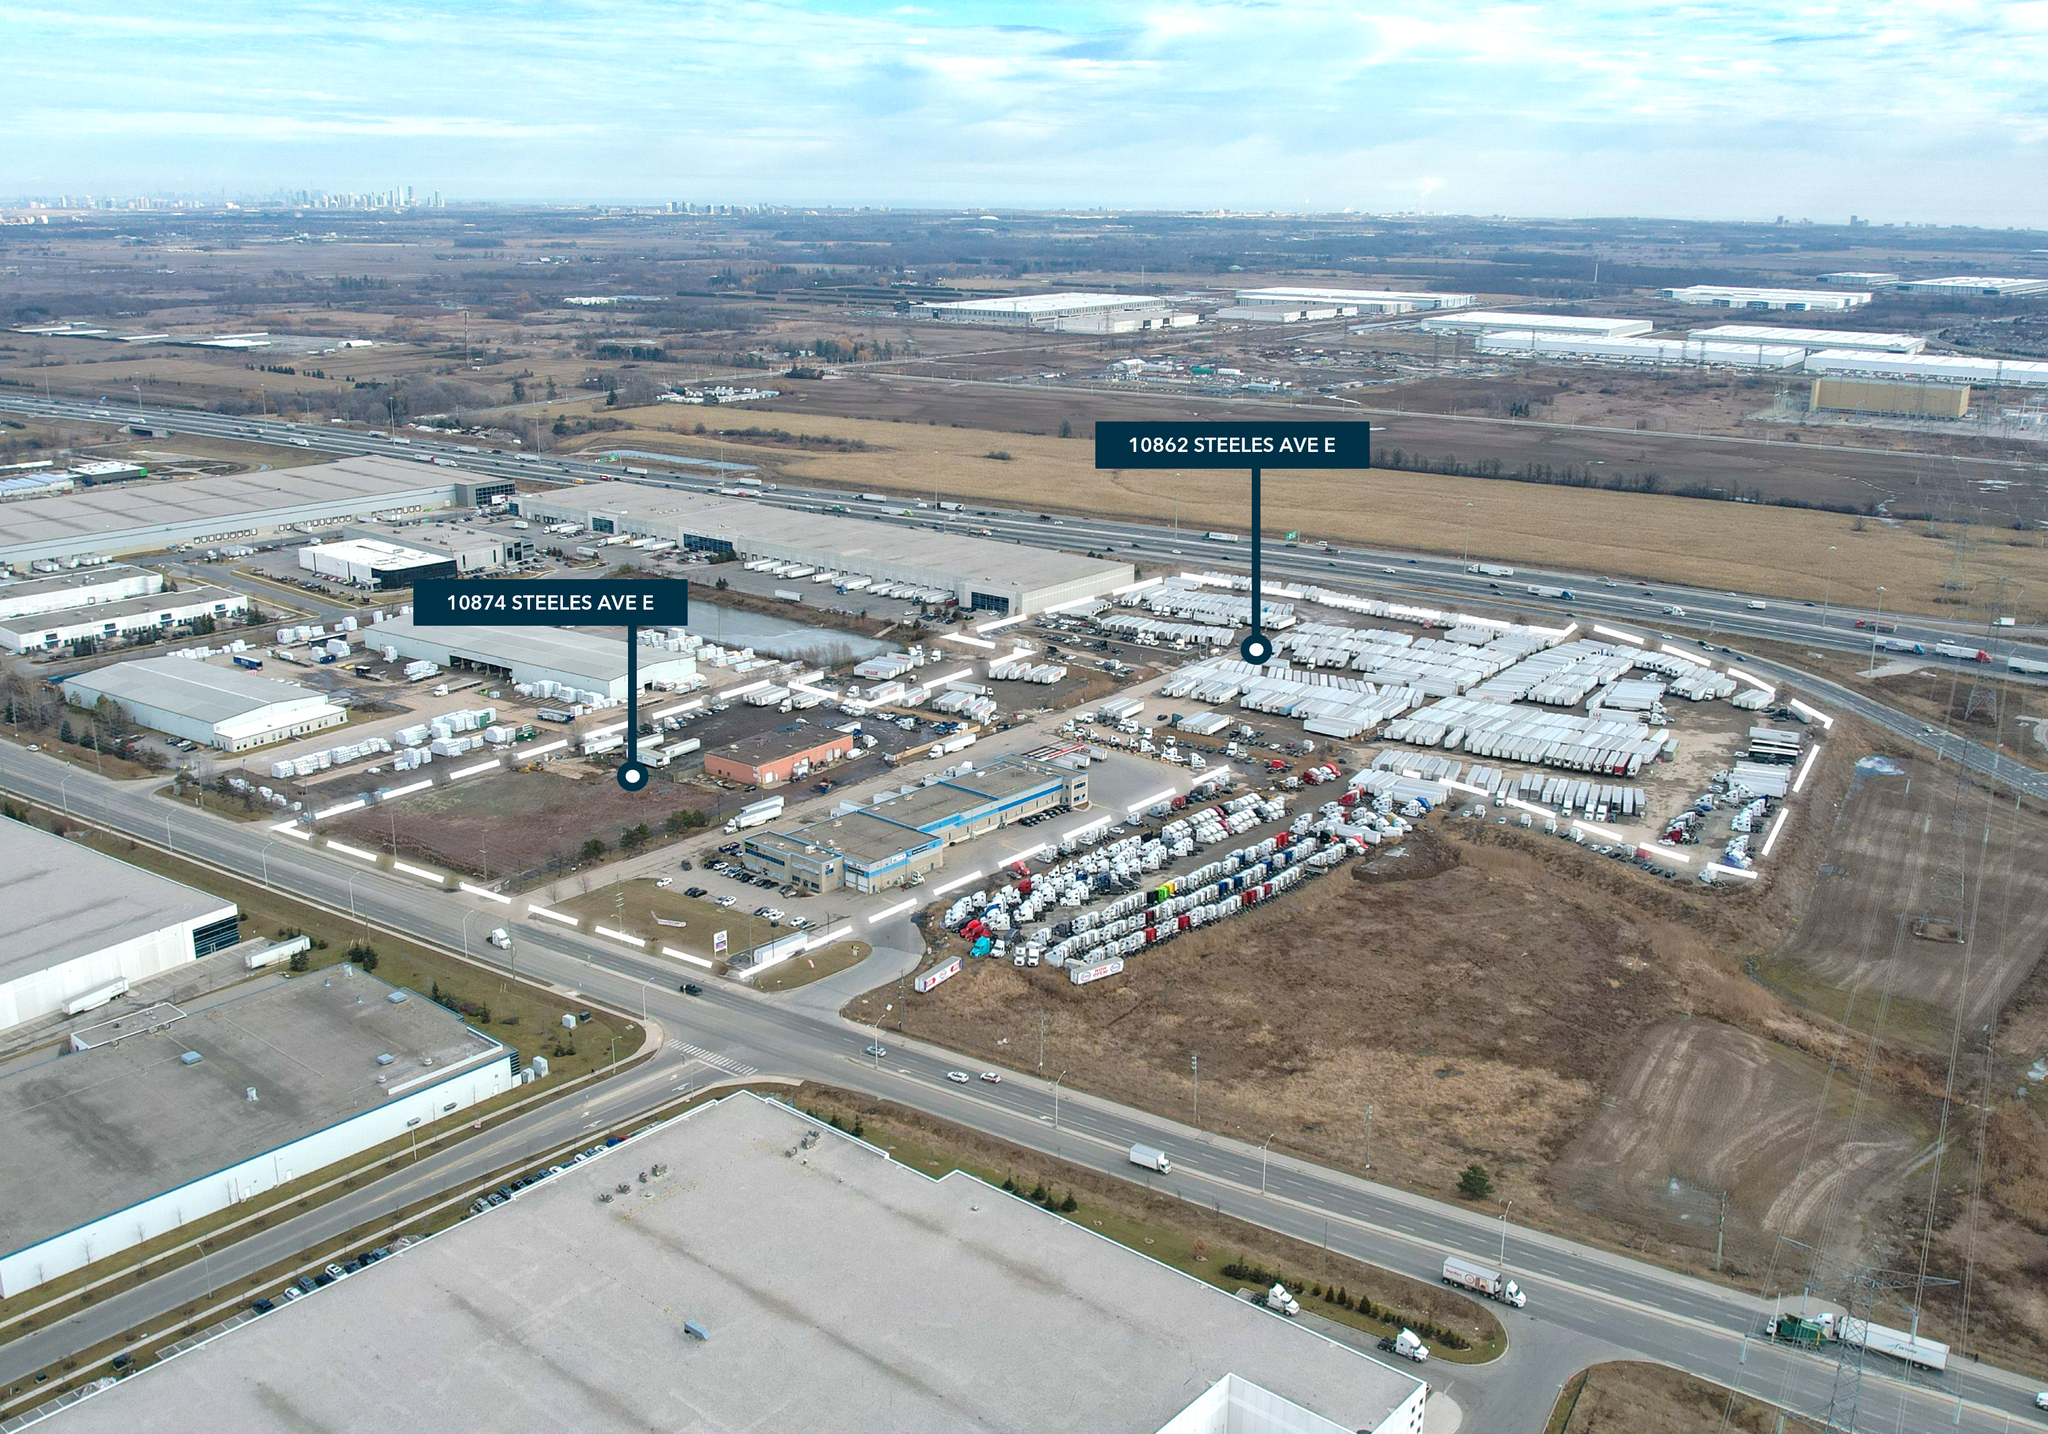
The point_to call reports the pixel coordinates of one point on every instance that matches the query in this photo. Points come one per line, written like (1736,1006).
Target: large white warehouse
(81,926)
(1723,296)
(374,563)
(586,661)
(1352,301)
(1094,313)
(222,707)
(1811,339)
(1975,286)
(180,1111)
(1004,578)
(160,614)
(1988,373)
(604,1302)
(83,587)
(1674,353)
(1488,321)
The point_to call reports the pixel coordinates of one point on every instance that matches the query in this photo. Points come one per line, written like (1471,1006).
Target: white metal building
(1353,301)
(1041,311)
(1975,286)
(1670,353)
(1010,579)
(1724,296)
(82,587)
(769,1272)
(185,1110)
(222,707)
(1989,373)
(1811,339)
(160,613)
(587,661)
(1486,321)
(1860,279)
(374,562)
(152,514)
(80,923)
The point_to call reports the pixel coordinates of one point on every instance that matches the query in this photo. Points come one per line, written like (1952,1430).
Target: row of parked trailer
(849,582)
(1521,734)
(1600,800)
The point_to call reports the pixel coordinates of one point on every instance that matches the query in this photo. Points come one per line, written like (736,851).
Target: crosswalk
(713,1059)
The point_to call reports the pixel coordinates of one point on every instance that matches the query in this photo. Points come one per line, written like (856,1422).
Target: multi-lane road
(1585,1304)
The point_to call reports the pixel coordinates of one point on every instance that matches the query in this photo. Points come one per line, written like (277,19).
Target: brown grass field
(1626,1397)
(1745,547)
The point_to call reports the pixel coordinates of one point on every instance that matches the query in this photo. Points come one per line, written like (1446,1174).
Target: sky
(1901,112)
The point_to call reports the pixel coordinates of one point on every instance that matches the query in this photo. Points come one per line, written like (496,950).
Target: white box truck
(1152,1158)
(1480,1280)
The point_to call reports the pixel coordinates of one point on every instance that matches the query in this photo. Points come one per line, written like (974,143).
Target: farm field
(1747,547)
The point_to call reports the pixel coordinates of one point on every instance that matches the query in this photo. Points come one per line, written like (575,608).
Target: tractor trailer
(756,814)
(1480,1280)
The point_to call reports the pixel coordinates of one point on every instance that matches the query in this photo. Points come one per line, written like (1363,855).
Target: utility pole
(1368,1137)
(1041,1045)
(1721,1232)
(1196,1062)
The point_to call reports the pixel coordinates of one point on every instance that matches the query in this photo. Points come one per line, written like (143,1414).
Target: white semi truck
(756,814)
(1480,1280)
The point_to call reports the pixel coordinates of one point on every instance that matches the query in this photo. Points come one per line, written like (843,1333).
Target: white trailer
(1467,1275)
(1913,1349)
(756,814)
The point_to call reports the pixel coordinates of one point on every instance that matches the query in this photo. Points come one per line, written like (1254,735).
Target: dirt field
(1632,1398)
(1747,547)
(1885,861)
(519,824)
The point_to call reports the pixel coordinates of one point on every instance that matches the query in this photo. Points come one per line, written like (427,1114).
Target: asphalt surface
(1585,1304)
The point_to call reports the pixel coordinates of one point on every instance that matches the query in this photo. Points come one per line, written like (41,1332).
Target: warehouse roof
(376,553)
(778,1275)
(857,544)
(860,835)
(1040,305)
(71,581)
(194,689)
(126,1119)
(104,512)
(600,656)
(1813,338)
(64,900)
(774,746)
(184,599)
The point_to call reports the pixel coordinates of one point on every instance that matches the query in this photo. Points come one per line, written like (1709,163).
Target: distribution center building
(1811,339)
(1673,353)
(81,926)
(586,661)
(1084,313)
(1482,321)
(222,707)
(831,1308)
(1351,301)
(157,615)
(150,515)
(1954,368)
(374,563)
(163,1115)
(903,835)
(1723,296)
(1010,579)
(82,587)
(1975,286)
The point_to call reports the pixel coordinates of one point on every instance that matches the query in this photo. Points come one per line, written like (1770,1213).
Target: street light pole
(1056,1099)
(1368,1137)
(266,861)
(1828,588)
(1262,1163)
(467,917)
(1874,627)
(1505,1206)
(1196,1061)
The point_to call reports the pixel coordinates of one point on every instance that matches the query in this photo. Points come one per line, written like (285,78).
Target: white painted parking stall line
(547,914)
(888,911)
(346,850)
(419,871)
(486,895)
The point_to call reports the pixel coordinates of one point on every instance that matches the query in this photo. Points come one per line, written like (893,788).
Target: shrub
(1474,1183)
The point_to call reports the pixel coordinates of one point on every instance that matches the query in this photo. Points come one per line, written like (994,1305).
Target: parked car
(693,891)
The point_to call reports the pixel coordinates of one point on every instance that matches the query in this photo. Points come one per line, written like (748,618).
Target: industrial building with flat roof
(772,758)
(1673,353)
(1082,313)
(1860,278)
(81,925)
(1485,321)
(905,834)
(143,517)
(158,615)
(1975,286)
(163,1114)
(1952,368)
(222,707)
(374,562)
(1353,301)
(776,1274)
(1810,339)
(82,587)
(1726,296)
(587,661)
(1010,579)
(473,549)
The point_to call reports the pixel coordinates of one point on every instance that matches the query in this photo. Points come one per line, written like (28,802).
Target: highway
(1585,1304)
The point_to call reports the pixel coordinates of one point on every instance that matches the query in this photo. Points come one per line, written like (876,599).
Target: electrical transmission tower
(1864,1286)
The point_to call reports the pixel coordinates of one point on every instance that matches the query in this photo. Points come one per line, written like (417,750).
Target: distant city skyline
(1889,111)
